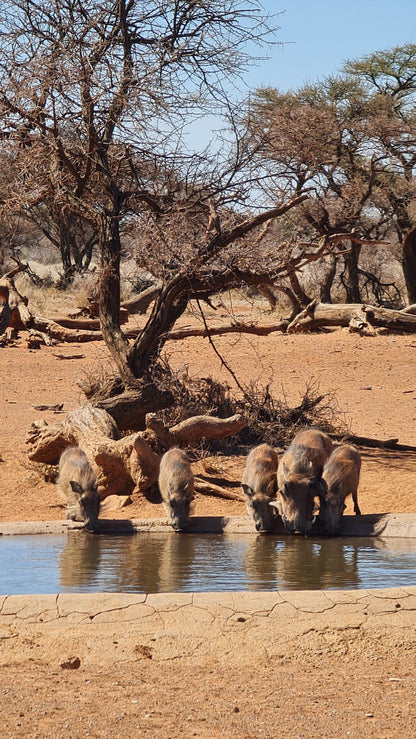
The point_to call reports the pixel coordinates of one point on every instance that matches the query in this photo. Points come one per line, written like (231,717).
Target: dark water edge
(156,563)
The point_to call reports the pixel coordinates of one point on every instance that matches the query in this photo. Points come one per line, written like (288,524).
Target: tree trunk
(86,251)
(350,276)
(174,295)
(64,242)
(409,264)
(297,288)
(169,305)
(328,281)
(109,296)
(129,409)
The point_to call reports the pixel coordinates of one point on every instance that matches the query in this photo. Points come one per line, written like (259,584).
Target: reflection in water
(176,562)
(319,564)
(301,563)
(261,561)
(80,560)
(152,563)
(144,563)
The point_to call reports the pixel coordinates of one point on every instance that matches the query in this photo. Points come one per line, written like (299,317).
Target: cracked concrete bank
(204,628)
(241,628)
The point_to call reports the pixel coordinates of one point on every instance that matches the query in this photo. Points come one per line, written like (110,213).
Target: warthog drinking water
(299,479)
(78,485)
(259,482)
(176,485)
(341,474)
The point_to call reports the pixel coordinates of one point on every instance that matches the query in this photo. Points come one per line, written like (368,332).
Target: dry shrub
(99,382)
(268,418)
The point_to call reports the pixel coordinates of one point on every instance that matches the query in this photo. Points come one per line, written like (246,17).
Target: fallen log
(235,328)
(123,465)
(85,324)
(411,309)
(55,331)
(17,315)
(84,426)
(207,427)
(68,356)
(56,408)
(210,488)
(374,443)
(317,315)
(140,303)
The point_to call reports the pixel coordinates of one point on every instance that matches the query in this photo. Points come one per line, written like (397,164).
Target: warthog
(176,485)
(299,479)
(341,474)
(259,482)
(79,487)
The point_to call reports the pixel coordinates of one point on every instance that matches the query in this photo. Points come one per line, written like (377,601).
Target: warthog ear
(188,487)
(247,489)
(76,487)
(284,490)
(320,487)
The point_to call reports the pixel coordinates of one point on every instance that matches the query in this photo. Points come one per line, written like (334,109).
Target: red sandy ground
(363,689)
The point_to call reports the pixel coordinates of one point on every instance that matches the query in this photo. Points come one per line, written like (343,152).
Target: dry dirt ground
(346,684)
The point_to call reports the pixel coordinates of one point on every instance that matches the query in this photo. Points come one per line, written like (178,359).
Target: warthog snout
(90,506)
(341,476)
(297,505)
(78,485)
(176,485)
(262,514)
(179,510)
(259,483)
(300,479)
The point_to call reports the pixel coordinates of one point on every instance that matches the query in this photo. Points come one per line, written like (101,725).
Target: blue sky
(319,35)
(316,37)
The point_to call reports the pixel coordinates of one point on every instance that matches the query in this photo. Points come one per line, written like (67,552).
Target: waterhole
(155,563)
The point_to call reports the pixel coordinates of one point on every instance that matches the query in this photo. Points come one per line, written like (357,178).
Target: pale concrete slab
(383,526)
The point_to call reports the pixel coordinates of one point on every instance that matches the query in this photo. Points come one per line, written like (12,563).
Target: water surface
(155,563)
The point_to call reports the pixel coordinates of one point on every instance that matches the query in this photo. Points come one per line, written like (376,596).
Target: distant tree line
(350,140)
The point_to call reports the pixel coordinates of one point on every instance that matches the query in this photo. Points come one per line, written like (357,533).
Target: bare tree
(327,137)
(93,100)
(389,81)
(352,138)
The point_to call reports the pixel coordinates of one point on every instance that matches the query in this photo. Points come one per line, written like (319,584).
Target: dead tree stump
(127,464)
